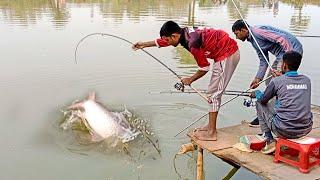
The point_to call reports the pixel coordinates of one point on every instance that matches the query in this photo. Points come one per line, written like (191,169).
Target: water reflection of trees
(137,9)
(299,20)
(211,3)
(26,12)
(302,2)
(184,11)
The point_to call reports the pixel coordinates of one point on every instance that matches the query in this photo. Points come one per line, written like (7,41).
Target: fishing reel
(248,102)
(179,86)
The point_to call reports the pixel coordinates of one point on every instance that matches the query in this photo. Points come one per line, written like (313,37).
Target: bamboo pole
(231,173)
(200,164)
(186,148)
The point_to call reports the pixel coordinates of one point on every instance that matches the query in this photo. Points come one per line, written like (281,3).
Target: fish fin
(76,106)
(92,96)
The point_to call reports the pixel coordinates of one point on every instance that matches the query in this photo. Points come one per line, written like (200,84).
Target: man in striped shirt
(203,44)
(269,39)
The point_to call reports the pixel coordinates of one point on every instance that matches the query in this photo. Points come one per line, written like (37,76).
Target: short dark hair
(168,28)
(238,25)
(292,59)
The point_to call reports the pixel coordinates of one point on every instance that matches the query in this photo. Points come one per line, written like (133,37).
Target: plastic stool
(305,149)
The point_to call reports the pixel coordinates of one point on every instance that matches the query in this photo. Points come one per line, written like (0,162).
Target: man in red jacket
(203,43)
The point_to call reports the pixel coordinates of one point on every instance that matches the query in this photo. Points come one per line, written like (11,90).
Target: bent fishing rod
(178,86)
(220,106)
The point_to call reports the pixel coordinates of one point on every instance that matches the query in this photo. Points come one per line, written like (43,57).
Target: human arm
(141,45)
(268,94)
(194,77)
(158,42)
(263,64)
(277,69)
(203,66)
(255,83)
(277,40)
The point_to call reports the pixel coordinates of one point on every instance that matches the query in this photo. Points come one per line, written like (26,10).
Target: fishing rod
(228,93)
(255,40)
(220,107)
(178,86)
(191,91)
(264,56)
(308,36)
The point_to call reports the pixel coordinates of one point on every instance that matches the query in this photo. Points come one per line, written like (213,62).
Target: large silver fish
(101,122)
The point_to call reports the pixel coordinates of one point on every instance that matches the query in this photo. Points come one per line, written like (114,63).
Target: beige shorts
(222,72)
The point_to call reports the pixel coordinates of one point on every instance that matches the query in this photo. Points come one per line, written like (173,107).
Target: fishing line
(123,39)
(220,107)
(175,166)
(264,56)
(159,61)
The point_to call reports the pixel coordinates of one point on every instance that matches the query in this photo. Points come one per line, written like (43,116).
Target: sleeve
(263,66)
(273,37)
(201,59)
(269,93)
(258,94)
(161,43)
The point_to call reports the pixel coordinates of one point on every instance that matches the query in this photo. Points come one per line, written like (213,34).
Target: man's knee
(259,106)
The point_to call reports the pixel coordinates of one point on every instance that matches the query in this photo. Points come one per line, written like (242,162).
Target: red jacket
(205,43)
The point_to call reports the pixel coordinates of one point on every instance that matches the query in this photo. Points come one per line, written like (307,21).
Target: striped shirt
(272,40)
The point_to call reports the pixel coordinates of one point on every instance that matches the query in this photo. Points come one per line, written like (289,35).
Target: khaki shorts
(222,72)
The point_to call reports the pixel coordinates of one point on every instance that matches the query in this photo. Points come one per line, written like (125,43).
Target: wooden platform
(256,162)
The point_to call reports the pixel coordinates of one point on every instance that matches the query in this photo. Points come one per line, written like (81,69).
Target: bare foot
(203,128)
(208,135)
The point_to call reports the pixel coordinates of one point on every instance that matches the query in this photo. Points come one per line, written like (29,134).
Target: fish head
(92,96)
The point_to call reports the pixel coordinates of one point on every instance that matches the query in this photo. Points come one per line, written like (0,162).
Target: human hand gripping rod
(180,78)
(220,106)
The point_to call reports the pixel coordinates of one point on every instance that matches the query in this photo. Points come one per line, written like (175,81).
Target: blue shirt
(293,117)
(272,40)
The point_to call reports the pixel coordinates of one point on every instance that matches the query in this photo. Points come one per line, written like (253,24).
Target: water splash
(134,140)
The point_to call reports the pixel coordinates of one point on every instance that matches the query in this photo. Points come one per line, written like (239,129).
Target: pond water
(39,77)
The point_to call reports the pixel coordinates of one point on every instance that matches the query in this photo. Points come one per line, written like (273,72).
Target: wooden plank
(264,166)
(257,162)
(227,137)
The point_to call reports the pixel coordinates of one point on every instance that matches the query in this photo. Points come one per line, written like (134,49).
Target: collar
(183,40)
(291,73)
(249,38)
